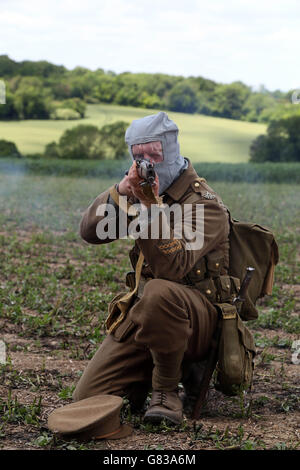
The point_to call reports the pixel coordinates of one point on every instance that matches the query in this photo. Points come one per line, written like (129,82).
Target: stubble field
(54,290)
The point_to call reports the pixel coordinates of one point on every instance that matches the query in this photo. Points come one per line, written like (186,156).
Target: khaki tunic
(171,314)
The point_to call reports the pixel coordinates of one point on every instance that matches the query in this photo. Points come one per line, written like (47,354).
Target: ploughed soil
(41,372)
(265,418)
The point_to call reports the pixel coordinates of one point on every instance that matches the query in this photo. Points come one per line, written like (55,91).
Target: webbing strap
(124,302)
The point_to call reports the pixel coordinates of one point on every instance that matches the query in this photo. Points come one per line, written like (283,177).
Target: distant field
(202,138)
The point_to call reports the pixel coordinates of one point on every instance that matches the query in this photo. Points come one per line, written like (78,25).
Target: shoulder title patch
(208,195)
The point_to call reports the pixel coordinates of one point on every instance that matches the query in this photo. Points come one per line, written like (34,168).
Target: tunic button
(217,265)
(198,271)
(197,184)
(208,291)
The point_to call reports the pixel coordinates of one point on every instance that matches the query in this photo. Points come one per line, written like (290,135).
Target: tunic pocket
(123,330)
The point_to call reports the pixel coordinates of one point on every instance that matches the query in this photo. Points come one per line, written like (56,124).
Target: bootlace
(160,398)
(163,398)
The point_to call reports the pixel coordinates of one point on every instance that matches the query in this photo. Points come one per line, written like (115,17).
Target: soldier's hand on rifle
(124,187)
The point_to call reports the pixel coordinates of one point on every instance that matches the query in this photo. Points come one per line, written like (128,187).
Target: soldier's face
(151,151)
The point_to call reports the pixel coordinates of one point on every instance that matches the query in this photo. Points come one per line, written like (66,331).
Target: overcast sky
(254,41)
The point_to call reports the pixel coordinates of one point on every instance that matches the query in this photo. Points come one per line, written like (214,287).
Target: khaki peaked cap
(97,417)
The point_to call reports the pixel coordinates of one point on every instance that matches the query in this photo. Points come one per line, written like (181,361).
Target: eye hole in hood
(153,128)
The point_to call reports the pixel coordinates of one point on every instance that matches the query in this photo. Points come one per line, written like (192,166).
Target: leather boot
(164,405)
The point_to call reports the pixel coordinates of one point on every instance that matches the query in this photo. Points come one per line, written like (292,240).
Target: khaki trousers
(169,317)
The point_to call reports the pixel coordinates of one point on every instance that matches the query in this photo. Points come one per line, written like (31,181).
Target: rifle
(146,171)
(213,356)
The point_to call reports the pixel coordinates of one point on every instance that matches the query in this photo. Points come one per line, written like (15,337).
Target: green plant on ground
(13,411)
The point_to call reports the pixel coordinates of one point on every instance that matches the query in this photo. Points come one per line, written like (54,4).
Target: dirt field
(54,290)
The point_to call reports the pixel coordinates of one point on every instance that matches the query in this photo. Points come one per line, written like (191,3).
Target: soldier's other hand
(125,187)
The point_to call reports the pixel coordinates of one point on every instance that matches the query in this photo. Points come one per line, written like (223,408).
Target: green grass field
(202,138)
(54,290)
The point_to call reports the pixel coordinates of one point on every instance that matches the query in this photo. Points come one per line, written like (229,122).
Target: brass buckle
(228,315)
(228,312)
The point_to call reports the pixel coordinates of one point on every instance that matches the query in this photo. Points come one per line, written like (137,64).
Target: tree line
(281,143)
(41,90)
(81,142)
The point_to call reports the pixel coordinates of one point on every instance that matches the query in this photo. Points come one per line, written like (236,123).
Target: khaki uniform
(173,319)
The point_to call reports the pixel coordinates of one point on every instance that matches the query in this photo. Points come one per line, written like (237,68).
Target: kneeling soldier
(169,320)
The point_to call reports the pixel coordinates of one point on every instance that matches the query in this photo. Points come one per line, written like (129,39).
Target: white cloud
(253,41)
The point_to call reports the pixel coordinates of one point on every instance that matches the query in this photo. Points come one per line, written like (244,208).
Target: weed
(51,441)
(261,401)
(2,432)
(289,404)
(66,392)
(265,358)
(285,446)
(227,439)
(14,412)
(277,341)
(53,285)
(44,440)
